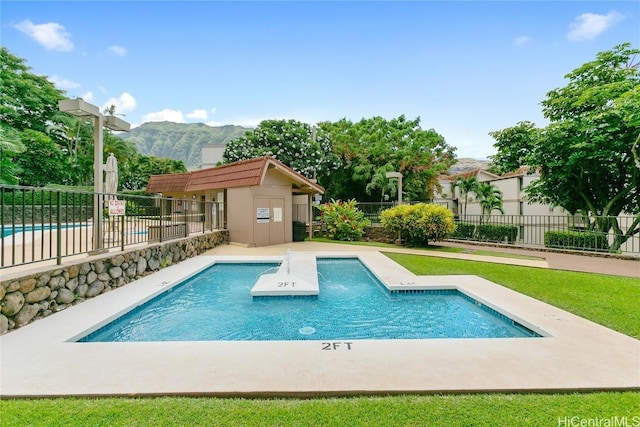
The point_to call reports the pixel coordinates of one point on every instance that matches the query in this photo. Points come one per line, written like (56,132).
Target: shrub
(419,223)
(344,221)
(486,232)
(581,240)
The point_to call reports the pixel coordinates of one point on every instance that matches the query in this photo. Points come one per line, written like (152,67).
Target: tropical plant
(466,186)
(420,223)
(489,198)
(585,155)
(344,221)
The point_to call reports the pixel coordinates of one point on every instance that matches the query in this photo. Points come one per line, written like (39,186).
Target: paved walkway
(554,260)
(565,261)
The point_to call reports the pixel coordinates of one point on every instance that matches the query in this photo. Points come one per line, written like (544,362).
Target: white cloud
(87,96)
(125,103)
(213,111)
(522,40)
(198,115)
(62,83)
(118,50)
(588,26)
(52,36)
(164,115)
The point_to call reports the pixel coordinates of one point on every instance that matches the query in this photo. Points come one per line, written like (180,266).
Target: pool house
(255,196)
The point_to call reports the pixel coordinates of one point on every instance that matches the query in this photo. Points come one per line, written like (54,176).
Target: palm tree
(489,197)
(466,186)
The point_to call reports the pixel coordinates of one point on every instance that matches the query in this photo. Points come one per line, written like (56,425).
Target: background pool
(216,305)
(20,228)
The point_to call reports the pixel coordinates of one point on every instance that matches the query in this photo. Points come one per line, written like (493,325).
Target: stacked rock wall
(34,296)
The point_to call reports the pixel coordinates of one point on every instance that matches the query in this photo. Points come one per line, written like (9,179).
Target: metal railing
(40,224)
(572,232)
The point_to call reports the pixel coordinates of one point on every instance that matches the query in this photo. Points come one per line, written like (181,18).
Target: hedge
(580,240)
(486,232)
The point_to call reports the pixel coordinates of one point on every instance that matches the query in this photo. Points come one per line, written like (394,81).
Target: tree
(42,161)
(466,186)
(10,146)
(371,147)
(136,171)
(489,198)
(27,101)
(289,141)
(585,154)
(513,145)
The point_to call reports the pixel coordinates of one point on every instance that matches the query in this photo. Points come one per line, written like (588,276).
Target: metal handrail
(40,224)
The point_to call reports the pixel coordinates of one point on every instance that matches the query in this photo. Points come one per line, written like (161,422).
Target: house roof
(167,183)
(244,173)
(469,174)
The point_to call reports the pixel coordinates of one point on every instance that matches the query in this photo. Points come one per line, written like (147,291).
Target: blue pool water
(216,305)
(9,230)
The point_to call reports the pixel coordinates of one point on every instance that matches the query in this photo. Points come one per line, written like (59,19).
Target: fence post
(122,233)
(186,218)
(59,230)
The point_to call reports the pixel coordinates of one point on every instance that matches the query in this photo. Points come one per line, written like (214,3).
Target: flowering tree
(291,142)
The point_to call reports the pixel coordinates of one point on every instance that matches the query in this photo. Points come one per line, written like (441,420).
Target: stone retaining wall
(26,299)
(377,233)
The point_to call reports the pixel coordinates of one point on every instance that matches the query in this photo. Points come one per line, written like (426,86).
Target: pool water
(8,230)
(216,305)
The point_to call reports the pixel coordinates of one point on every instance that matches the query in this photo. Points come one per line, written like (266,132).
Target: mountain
(466,163)
(180,141)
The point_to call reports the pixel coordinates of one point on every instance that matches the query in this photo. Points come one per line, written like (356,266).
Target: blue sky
(466,68)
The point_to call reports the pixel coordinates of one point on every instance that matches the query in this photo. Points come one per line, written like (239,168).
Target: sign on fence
(116,207)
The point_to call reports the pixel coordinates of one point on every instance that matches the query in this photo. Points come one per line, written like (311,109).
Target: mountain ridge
(183,141)
(180,141)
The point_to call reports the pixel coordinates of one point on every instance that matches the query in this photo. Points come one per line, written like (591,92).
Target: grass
(608,300)
(408,410)
(435,248)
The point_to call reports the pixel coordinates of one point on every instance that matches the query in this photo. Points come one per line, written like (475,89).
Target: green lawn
(608,300)
(434,248)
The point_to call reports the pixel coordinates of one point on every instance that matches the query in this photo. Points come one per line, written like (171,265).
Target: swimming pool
(216,305)
(8,230)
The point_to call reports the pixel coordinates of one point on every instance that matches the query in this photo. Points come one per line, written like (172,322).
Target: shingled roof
(168,183)
(244,173)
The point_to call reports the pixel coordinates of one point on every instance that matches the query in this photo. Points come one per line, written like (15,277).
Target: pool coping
(573,354)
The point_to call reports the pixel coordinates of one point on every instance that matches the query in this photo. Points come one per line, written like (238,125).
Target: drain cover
(307,330)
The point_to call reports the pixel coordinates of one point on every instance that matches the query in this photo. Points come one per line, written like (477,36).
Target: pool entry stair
(297,275)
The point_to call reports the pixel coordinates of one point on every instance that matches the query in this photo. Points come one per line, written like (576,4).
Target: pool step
(297,275)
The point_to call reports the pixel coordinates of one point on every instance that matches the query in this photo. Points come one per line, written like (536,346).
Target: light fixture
(397,175)
(79,108)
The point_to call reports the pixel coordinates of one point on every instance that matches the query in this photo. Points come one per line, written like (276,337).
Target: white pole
(97,182)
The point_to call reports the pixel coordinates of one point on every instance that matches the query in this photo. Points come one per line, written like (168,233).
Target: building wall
(212,154)
(240,215)
(513,196)
(241,211)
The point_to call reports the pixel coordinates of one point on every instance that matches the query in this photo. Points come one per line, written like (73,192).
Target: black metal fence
(41,224)
(574,232)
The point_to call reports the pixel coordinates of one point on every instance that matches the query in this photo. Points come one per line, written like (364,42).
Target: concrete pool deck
(41,359)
